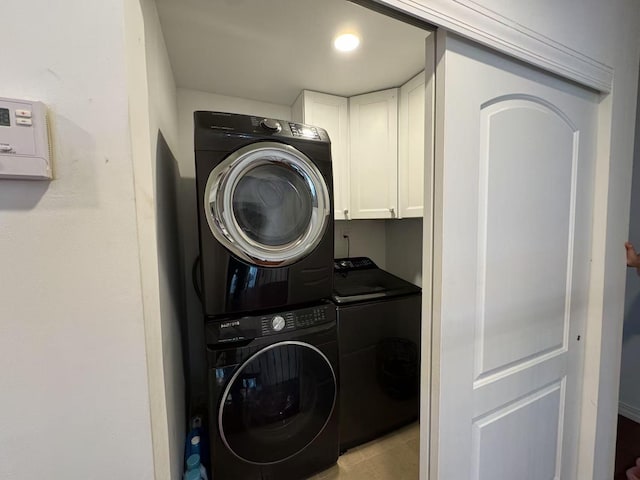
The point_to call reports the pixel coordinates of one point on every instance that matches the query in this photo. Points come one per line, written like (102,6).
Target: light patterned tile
(397,463)
(392,457)
(412,432)
(351,458)
(414,445)
(408,432)
(364,471)
(329,474)
(380,445)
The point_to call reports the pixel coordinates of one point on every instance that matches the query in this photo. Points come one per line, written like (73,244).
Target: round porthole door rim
(235,375)
(218,203)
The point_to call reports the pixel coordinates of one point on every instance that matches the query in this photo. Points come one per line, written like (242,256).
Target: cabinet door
(411,132)
(331,113)
(373,132)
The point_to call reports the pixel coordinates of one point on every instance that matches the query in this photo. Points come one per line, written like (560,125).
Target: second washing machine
(264,193)
(379,329)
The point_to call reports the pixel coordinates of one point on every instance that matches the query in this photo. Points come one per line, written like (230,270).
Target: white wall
(367,238)
(188,102)
(74,399)
(157,178)
(404,249)
(394,245)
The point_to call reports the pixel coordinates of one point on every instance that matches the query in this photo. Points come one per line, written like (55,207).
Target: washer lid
(359,279)
(268,204)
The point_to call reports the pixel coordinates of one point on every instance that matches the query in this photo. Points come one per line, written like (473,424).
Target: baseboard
(627,411)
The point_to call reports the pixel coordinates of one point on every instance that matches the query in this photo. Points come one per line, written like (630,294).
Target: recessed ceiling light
(346,42)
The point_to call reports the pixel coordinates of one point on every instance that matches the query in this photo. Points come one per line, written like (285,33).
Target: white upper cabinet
(377,148)
(331,113)
(373,132)
(411,142)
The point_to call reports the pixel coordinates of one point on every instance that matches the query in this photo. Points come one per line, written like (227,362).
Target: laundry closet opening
(276,60)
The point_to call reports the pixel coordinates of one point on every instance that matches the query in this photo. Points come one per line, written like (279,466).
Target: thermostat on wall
(25,151)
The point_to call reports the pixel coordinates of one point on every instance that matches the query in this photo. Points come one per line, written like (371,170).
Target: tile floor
(396,455)
(392,457)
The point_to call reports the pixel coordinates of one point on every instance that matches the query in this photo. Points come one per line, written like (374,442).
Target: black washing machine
(265,220)
(273,382)
(379,328)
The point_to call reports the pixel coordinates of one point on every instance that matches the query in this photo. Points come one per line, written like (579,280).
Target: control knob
(277,323)
(271,125)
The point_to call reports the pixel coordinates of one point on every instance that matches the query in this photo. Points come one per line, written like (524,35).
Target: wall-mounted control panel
(25,149)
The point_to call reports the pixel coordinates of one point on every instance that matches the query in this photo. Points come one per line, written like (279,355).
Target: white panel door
(373,132)
(513,199)
(411,133)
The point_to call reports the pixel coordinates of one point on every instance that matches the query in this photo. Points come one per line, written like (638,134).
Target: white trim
(143,183)
(628,411)
(428,424)
(471,20)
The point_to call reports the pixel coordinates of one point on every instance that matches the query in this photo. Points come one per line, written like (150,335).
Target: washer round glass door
(277,402)
(268,204)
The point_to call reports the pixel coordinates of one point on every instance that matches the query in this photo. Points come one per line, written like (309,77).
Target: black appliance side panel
(379,345)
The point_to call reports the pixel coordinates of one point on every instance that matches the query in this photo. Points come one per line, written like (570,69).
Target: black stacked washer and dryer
(264,192)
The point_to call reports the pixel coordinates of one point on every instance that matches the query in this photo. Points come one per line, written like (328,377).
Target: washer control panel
(354,263)
(303,318)
(250,327)
(278,323)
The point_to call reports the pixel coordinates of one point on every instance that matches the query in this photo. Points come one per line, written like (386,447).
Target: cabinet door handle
(346,213)
(393,212)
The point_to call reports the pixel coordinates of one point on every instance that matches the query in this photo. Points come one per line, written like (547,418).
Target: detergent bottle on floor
(195,469)
(196,441)
(192,475)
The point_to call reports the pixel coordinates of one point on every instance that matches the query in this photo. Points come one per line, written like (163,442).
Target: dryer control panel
(305,131)
(209,125)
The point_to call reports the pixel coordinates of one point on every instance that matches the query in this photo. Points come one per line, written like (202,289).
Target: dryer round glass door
(277,402)
(268,204)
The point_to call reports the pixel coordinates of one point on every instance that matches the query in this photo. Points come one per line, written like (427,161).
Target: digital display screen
(299,130)
(4,117)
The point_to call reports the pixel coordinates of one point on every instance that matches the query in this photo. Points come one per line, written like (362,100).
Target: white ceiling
(269,50)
